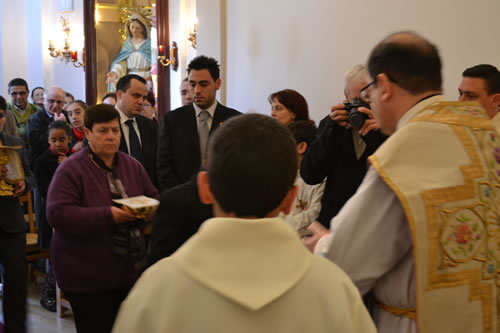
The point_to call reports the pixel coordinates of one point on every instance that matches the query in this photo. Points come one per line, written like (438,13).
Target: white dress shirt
(125,131)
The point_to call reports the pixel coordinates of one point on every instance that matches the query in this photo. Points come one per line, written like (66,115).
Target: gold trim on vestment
(397,311)
(466,128)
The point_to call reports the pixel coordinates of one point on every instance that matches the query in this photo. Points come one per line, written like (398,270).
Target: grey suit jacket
(12,219)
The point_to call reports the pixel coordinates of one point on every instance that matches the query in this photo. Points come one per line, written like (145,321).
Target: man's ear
(385,86)
(287,202)
(302,147)
(204,192)
(217,84)
(496,100)
(119,95)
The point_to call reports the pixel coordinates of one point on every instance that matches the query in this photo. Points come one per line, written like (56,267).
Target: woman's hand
(121,215)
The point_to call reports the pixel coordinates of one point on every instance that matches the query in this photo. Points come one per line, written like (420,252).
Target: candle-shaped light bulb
(195,28)
(51,44)
(161,49)
(74,56)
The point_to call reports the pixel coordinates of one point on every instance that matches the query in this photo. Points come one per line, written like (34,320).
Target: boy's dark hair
(414,65)
(303,131)
(100,113)
(252,164)
(17,82)
(60,124)
(293,101)
(124,82)
(204,62)
(488,73)
(3,104)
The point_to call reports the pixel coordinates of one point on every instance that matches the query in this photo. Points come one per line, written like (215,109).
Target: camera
(354,117)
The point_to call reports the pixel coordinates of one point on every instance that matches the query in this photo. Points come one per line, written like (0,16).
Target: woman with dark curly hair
(288,106)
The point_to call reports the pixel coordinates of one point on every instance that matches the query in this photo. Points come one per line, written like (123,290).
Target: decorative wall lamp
(173,60)
(192,36)
(65,53)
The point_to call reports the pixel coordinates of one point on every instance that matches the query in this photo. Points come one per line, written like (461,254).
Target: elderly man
(341,151)
(417,232)
(481,83)
(37,125)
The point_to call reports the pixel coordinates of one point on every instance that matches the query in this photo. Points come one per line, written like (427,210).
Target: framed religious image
(65,6)
(9,156)
(126,44)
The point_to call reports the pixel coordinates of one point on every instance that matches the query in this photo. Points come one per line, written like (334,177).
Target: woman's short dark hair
(100,113)
(60,124)
(3,104)
(252,165)
(293,101)
(34,90)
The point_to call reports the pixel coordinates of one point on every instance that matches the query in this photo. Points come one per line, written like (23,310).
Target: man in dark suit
(179,217)
(13,239)
(184,132)
(139,134)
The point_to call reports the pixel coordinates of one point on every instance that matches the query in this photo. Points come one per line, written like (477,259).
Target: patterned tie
(203,133)
(133,140)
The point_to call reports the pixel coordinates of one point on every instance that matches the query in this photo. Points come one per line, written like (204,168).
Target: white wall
(14,49)
(309,45)
(56,72)
(25,28)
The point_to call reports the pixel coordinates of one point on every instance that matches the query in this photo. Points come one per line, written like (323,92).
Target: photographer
(347,137)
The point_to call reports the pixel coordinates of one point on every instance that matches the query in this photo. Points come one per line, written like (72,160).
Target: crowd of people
(396,188)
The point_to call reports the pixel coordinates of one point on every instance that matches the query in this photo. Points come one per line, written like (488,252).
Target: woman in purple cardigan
(97,248)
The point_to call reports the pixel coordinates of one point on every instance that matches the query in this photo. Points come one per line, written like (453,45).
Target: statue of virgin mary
(135,54)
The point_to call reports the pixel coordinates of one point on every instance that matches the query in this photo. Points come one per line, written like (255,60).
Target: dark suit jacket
(148,132)
(180,215)
(12,219)
(333,155)
(179,145)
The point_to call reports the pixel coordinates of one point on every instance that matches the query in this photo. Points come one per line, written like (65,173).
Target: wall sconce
(65,53)
(192,36)
(173,60)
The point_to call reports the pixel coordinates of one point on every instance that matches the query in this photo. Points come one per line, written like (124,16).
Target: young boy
(246,269)
(44,169)
(307,204)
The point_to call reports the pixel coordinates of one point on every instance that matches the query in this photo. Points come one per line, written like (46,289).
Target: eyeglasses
(364,93)
(53,101)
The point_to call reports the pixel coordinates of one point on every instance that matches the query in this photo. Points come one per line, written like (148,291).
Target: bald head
(54,100)
(409,60)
